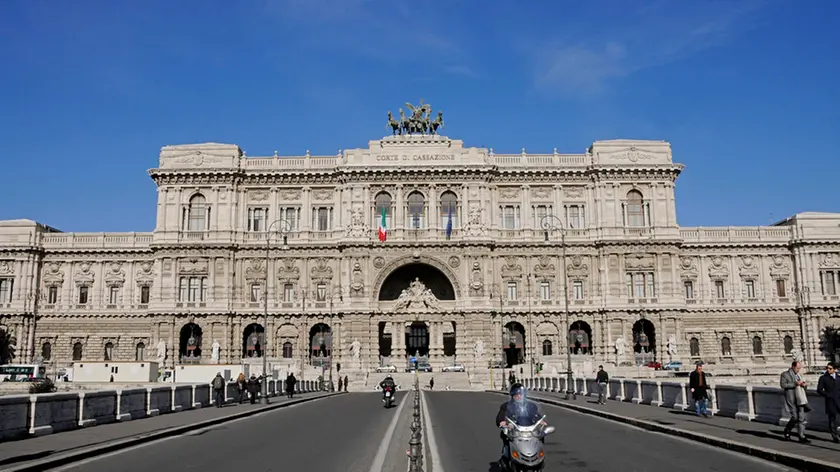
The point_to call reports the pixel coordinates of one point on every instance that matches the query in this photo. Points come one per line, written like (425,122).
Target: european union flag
(449,225)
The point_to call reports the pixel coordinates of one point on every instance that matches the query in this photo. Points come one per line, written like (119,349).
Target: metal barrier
(415,454)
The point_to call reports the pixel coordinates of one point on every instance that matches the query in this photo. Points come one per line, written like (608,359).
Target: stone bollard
(415,455)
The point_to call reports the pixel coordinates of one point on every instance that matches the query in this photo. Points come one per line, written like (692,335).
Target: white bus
(22,372)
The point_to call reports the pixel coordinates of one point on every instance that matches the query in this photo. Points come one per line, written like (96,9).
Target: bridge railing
(747,402)
(45,413)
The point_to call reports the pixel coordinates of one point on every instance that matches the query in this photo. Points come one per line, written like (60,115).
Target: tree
(7,347)
(830,343)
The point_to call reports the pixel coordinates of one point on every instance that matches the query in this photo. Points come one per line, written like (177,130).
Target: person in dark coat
(346,383)
(829,388)
(699,389)
(253,388)
(291,381)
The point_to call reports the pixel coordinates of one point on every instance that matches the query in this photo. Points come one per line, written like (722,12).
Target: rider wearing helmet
(520,409)
(388,382)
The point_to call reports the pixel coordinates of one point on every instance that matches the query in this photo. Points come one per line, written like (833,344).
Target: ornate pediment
(194,267)
(474,226)
(7,267)
(748,267)
(511,269)
(688,268)
(779,267)
(288,272)
(829,261)
(289,194)
(145,273)
(115,275)
(573,192)
(53,275)
(544,268)
(718,268)
(509,192)
(321,272)
(255,269)
(84,274)
(259,195)
(542,193)
(358,227)
(416,296)
(577,269)
(639,262)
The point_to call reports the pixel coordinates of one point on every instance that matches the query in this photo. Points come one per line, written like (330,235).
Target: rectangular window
(255,292)
(510,217)
(288,293)
(113,295)
(145,291)
(182,289)
(83,295)
(257,219)
(780,288)
(641,284)
(575,217)
(689,289)
(828,284)
(322,218)
(545,291)
(192,289)
(52,295)
(540,212)
(321,292)
(6,286)
(719,289)
(577,287)
(292,217)
(749,285)
(511,291)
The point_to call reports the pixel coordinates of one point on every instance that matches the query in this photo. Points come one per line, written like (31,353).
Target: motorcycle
(526,445)
(389,397)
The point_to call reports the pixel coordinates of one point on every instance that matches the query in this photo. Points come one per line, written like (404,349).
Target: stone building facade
(471,269)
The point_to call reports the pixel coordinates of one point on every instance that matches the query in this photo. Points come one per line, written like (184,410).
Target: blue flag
(449,224)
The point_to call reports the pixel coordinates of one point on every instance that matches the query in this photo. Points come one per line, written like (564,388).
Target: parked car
(654,365)
(454,368)
(673,365)
(420,368)
(386,368)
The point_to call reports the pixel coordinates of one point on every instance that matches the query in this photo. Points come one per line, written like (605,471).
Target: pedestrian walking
(241,382)
(602,379)
(796,401)
(340,383)
(699,390)
(218,390)
(291,381)
(253,388)
(432,383)
(828,387)
(346,383)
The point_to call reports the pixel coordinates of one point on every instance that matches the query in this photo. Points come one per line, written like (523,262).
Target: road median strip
(784,458)
(142,438)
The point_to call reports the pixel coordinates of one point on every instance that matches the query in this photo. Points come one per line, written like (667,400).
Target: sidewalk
(759,439)
(18,453)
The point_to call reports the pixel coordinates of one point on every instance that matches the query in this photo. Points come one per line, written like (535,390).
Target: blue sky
(746,91)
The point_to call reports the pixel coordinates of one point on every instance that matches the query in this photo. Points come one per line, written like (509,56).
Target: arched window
(547,348)
(788,344)
(635,209)
(77,351)
(109,351)
(757,348)
(46,351)
(448,206)
(694,347)
(725,346)
(139,351)
(416,210)
(287,350)
(197,214)
(382,202)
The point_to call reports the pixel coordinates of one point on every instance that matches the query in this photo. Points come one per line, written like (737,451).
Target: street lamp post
(284,230)
(554,223)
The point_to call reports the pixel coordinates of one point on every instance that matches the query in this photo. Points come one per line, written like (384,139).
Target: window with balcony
(256,290)
(749,288)
(416,211)
(688,285)
(575,218)
(52,295)
(720,290)
(257,219)
(510,216)
(196,215)
(83,295)
(6,286)
(577,289)
(641,284)
(192,289)
(382,204)
(636,210)
(511,291)
(288,293)
(545,290)
(781,291)
(292,217)
(113,295)
(448,206)
(322,218)
(828,282)
(145,294)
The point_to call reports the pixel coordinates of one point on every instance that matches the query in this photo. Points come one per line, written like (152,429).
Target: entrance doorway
(515,344)
(644,342)
(417,340)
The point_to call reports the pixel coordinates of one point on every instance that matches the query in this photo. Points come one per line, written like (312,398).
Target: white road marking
(430,435)
(382,452)
(74,465)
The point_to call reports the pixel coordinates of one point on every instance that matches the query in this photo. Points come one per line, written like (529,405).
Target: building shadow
(26,457)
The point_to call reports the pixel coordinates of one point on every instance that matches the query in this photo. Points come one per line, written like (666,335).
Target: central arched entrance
(417,340)
(431,277)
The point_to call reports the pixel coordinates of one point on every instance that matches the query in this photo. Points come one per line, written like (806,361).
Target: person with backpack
(219,390)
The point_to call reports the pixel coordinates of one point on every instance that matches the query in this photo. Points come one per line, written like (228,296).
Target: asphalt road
(462,424)
(342,433)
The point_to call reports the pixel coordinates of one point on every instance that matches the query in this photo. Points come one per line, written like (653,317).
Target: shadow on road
(27,457)
(495,467)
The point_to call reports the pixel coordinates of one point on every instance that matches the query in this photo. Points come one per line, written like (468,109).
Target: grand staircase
(443,380)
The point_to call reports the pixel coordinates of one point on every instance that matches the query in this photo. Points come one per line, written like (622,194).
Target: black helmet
(516,389)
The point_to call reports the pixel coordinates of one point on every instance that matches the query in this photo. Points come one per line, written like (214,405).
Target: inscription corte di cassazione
(415,157)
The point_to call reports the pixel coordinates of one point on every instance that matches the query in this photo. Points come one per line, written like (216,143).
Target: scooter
(526,446)
(389,397)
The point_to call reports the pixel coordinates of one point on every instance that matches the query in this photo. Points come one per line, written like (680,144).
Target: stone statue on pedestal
(620,347)
(214,355)
(478,349)
(356,349)
(161,351)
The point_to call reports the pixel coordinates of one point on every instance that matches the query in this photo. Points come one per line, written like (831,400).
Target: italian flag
(383,232)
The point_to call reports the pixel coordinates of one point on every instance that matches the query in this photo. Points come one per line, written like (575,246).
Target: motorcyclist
(519,409)
(388,382)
